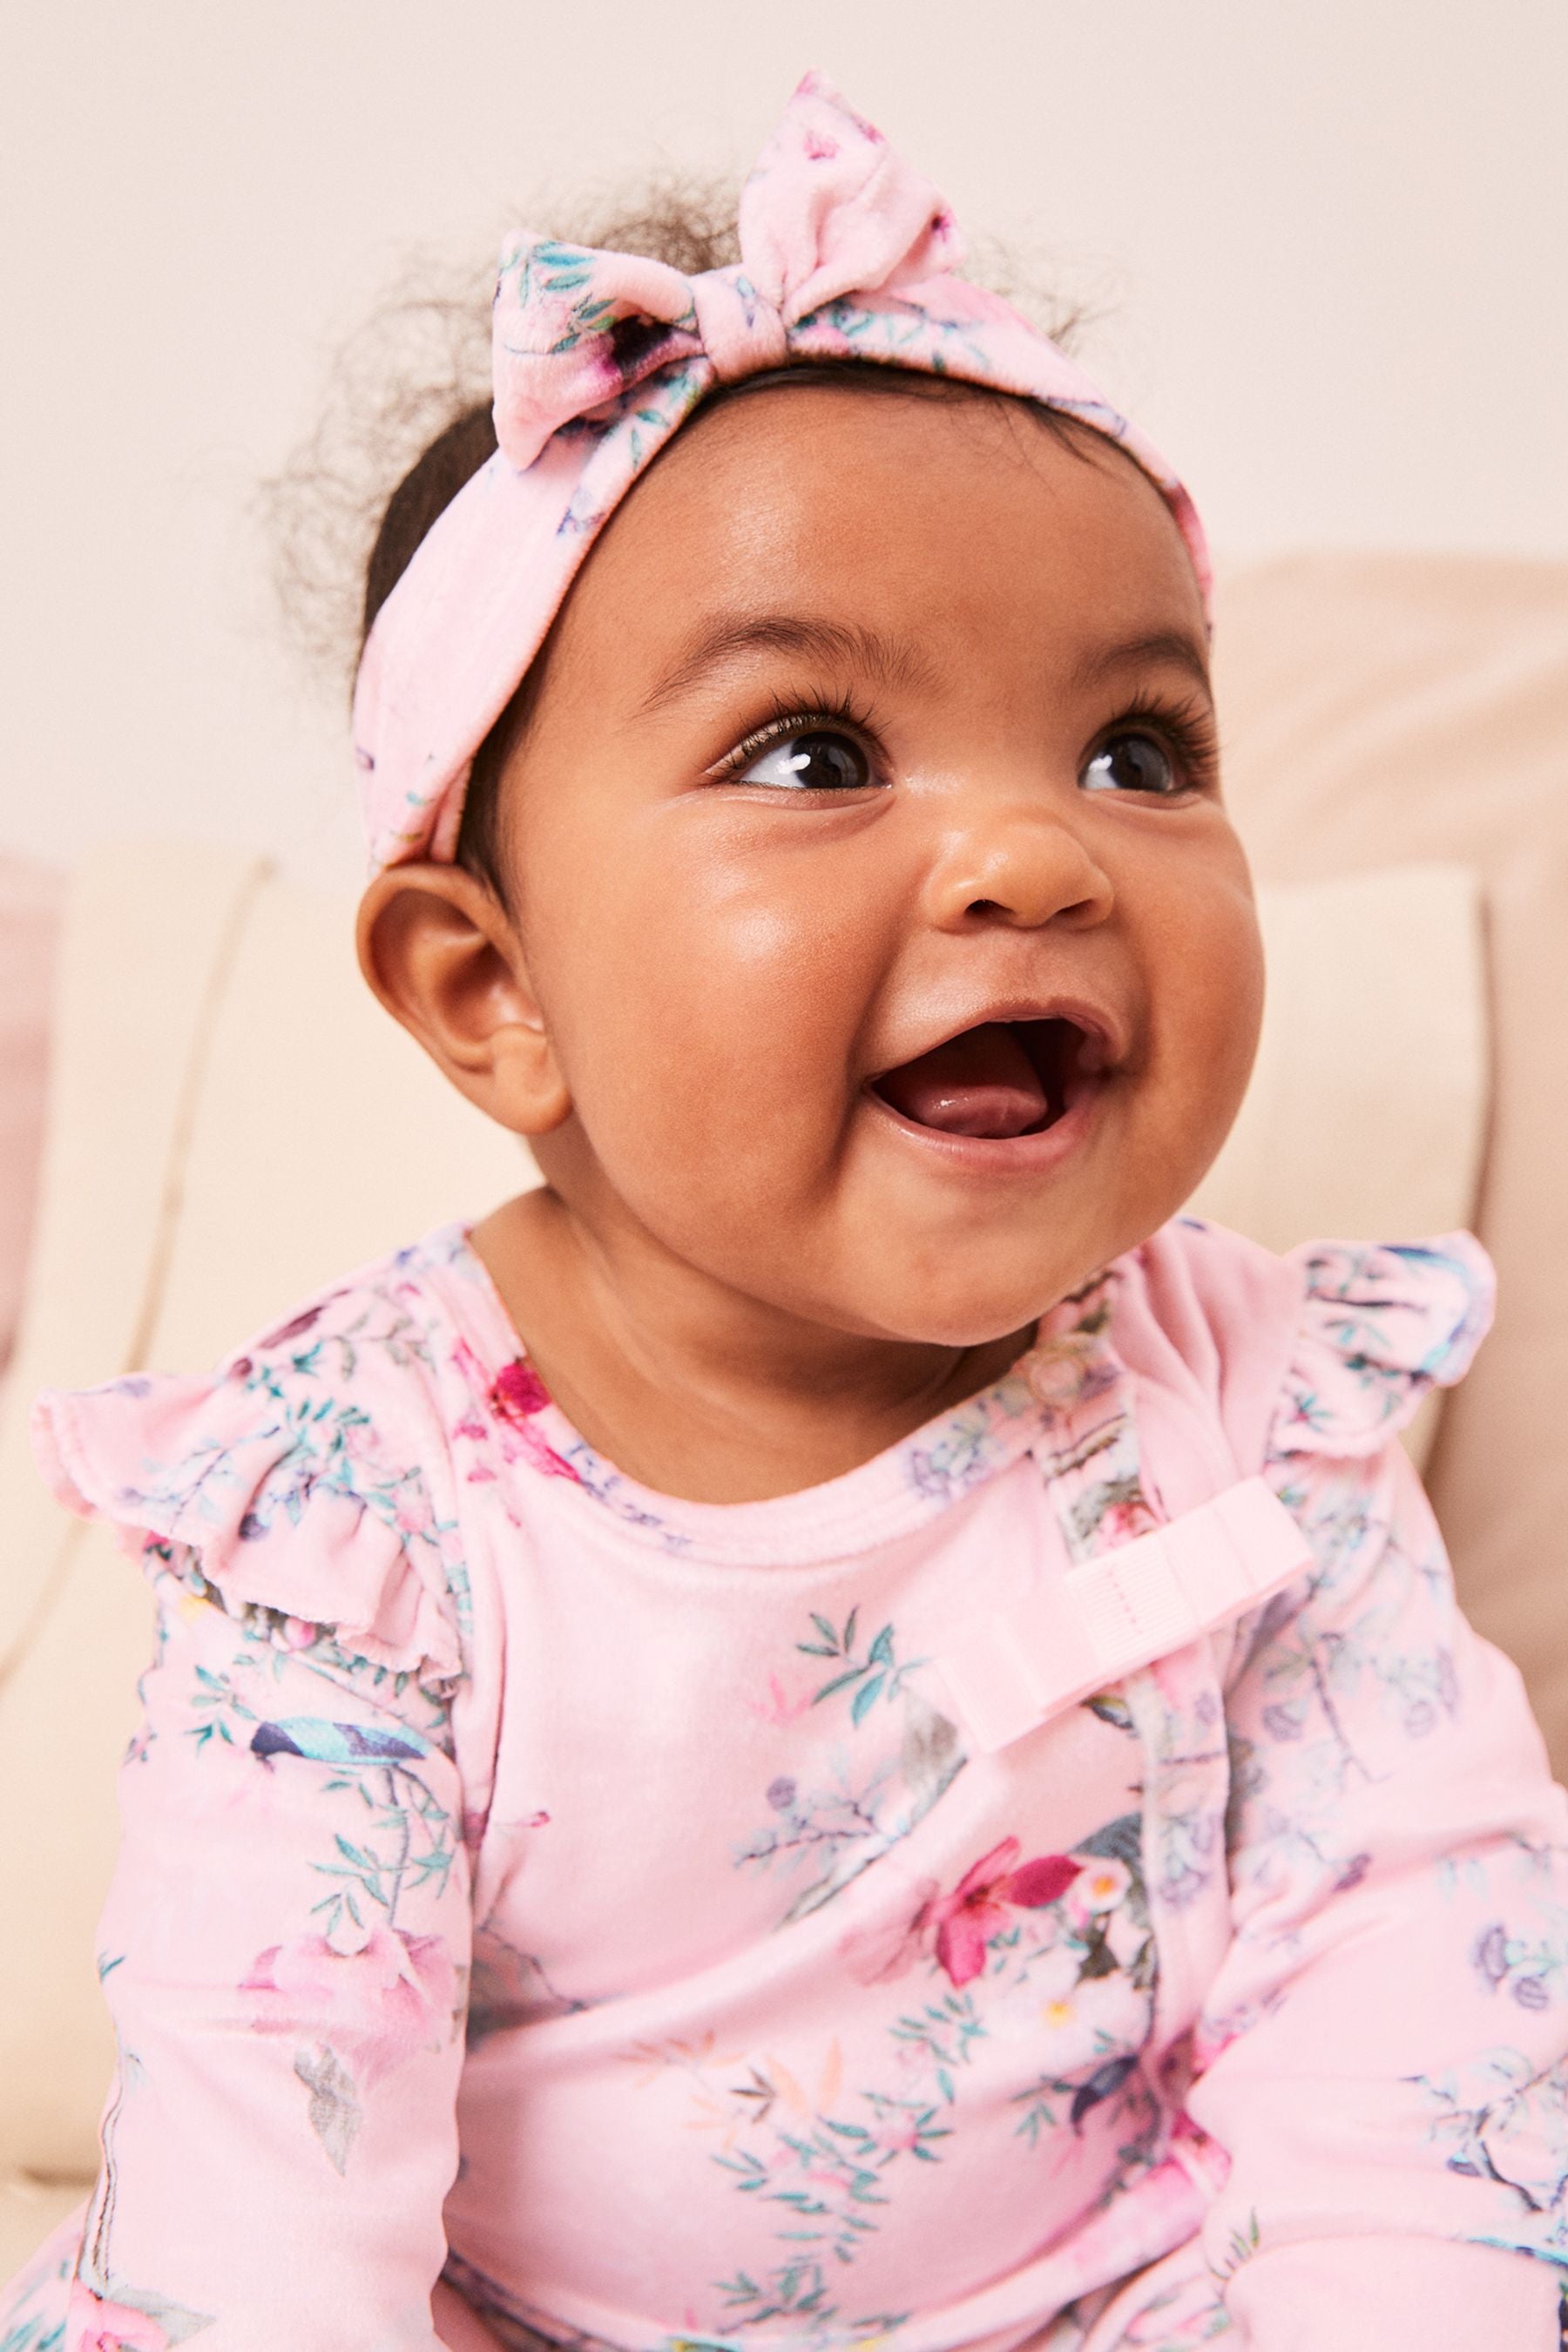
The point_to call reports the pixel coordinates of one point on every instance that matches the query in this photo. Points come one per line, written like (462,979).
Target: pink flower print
(1123,1521)
(965,1920)
(97,2326)
(820,149)
(374,2007)
(898,2134)
(413,1513)
(778,1708)
(519,1391)
(509,1401)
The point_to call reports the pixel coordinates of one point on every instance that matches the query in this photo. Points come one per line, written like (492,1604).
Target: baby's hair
(335,521)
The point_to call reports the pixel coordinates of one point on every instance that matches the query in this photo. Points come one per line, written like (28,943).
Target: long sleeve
(285,1947)
(284,1952)
(1381,2056)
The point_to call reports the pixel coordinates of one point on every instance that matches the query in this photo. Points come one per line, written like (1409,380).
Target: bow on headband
(846,253)
(829,210)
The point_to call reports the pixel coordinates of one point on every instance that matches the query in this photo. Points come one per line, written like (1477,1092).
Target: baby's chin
(974,1302)
(966,1325)
(976,1286)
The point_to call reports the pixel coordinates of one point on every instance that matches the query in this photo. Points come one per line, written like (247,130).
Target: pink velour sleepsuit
(598,1900)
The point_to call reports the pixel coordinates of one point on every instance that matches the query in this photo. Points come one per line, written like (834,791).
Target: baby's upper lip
(1097,1021)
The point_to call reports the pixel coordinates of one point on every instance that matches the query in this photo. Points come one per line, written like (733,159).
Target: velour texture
(778,2001)
(846,253)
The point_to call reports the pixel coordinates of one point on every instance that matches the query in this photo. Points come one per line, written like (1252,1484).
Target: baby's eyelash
(1186,724)
(800,719)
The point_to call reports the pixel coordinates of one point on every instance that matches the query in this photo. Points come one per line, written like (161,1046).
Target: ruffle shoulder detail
(303,1479)
(1381,1324)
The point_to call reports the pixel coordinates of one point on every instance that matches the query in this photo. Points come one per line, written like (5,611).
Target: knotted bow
(828,211)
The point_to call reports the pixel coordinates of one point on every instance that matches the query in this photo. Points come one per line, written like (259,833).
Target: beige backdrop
(1332,230)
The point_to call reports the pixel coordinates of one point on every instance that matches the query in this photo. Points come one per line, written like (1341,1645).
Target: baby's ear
(443,955)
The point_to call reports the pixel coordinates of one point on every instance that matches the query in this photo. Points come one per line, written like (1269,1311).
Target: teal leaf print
(946,2032)
(795,2290)
(876,1675)
(865,1698)
(840,1682)
(416,1842)
(217,1693)
(1243,2245)
(356,1854)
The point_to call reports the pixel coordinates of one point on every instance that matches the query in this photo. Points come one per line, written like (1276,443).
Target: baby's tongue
(980,1084)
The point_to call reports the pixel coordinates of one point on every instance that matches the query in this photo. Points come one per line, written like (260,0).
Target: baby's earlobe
(529,1093)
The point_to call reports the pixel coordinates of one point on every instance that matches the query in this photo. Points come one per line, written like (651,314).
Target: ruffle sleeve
(287,1486)
(1381,1326)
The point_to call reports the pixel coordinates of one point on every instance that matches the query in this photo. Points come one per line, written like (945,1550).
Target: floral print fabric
(582,1896)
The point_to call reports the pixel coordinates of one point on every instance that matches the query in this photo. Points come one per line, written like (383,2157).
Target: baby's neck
(696,1391)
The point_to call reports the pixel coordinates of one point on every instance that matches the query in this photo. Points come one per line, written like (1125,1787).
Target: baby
(836,1728)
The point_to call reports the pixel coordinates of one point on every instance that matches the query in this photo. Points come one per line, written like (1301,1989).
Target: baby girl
(836,1727)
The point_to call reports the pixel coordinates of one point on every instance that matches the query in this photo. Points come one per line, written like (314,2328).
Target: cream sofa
(232,1121)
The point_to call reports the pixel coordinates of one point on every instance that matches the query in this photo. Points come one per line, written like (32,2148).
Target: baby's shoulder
(309,1476)
(1328,1348)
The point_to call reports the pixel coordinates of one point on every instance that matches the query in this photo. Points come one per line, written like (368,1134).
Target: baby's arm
(284,1953)
(1381,2051)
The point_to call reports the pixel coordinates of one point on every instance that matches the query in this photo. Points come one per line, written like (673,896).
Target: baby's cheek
(1207,1000)
(711,1058)
(758,980)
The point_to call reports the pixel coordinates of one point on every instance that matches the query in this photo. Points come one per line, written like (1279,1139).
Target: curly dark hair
(412,403)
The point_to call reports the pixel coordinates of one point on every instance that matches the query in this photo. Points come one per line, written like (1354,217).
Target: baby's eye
(813,761)
(1132,763)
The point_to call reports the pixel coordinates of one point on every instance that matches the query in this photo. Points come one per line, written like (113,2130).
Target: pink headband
(848,253)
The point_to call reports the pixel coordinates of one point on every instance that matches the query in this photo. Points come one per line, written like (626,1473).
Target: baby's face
(897,953)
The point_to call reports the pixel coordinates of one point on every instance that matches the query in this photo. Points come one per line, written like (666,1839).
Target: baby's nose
(1024,870)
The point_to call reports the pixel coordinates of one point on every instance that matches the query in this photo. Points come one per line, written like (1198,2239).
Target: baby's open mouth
(1000,1079)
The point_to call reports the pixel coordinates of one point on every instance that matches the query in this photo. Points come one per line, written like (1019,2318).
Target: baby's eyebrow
(892,661)
(1152,646)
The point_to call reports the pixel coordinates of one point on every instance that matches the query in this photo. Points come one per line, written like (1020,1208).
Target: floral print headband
(846,253)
